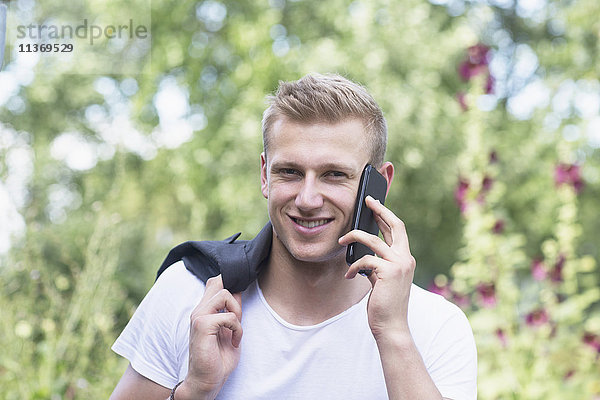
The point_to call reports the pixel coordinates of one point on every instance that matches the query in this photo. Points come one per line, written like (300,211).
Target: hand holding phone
(373,184)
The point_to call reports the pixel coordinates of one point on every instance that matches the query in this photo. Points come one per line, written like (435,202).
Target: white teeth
(311,224)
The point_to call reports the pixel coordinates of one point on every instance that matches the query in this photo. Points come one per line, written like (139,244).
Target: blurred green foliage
(95,233)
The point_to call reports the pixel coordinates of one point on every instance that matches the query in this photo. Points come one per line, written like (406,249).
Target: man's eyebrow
(338,167)
(326,166)
(284,164)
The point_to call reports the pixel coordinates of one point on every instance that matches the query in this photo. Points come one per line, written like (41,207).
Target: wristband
(172,396)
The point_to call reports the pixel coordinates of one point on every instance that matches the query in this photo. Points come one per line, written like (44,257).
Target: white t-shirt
(335,359)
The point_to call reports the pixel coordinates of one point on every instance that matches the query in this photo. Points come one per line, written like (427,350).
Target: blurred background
(113,153)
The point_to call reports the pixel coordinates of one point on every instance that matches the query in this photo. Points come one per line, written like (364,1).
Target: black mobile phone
(374,184)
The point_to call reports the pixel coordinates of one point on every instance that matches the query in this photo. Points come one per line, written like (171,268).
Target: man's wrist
(172,396)
(183,391)
(398,339)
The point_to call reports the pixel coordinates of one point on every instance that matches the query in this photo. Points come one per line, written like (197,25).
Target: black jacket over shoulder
(238,262)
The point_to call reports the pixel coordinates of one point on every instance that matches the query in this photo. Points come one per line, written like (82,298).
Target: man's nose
(309,197)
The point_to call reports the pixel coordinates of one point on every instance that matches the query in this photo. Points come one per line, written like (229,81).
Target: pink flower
(487,183)
(467,70)
(479,54)
(476,63)
(487,293)
(464,70)
(592,340)
(461,300)
(562,173)
(556,271)
(502,337)
(445,289)
(498,227)
(486,186)
(441,290)
(538,269)
(489,84)
(462,101)
(569,174)
(569,374)
(460,194)
(537,317)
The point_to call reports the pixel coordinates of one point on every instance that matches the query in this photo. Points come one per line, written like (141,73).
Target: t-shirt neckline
(351,309)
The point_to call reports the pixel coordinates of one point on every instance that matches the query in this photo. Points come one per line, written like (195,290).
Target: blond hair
(327,98)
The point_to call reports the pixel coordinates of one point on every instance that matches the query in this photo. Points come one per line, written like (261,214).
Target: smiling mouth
(311,224)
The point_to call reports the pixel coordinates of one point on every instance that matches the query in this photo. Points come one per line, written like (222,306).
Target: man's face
(310,178)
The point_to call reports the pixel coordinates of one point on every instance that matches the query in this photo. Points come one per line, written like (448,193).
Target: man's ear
(264,183)
(387,170)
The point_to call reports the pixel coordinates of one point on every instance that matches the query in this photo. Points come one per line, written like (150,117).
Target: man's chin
(326,250)
(315,256)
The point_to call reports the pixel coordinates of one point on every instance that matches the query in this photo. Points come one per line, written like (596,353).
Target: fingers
(385,229)
(396,229)
(393,258)
(367,262)
(218,309)
(398,267)
(211,324)
(216,299)
(382,211)
(371,241)
(213,285)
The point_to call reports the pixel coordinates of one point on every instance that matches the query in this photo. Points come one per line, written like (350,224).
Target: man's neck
(307,293)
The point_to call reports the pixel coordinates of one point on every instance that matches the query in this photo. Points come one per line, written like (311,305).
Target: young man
(312,327)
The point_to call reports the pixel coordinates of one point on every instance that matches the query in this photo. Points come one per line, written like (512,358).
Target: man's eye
(288,171)
(336,174)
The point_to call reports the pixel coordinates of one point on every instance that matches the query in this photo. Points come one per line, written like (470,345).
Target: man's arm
(392,273)
(215,336)
(134,386)
(406,376)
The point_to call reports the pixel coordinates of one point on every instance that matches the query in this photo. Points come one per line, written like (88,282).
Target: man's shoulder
(437,324)
(444,337)
(177,282)
(177,272)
